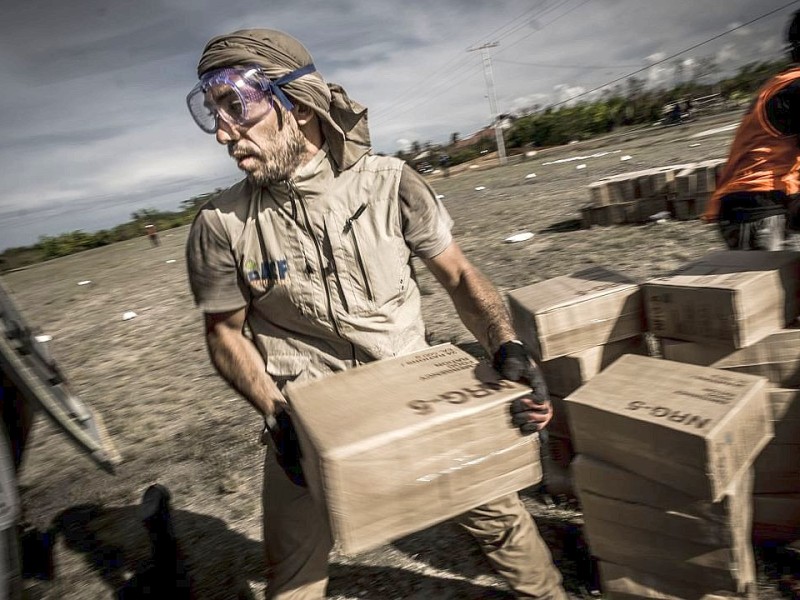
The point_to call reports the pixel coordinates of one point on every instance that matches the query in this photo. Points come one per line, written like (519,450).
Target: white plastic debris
(522,236)
(530,175)
(170,261)
(128,315)
(43,338)
(84,282)
(530,153)
(479,188)
(626,157)
(695,145)
(660,217)
(473,166)
(581,166)
(439,196)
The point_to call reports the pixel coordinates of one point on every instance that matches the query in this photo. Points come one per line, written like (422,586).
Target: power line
(453,68)
(663,60)
(552,66)
(564,14)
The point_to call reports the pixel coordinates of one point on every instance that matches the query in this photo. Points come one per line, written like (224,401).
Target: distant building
(487,133)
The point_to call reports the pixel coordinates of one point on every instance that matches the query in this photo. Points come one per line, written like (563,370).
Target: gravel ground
(175,422)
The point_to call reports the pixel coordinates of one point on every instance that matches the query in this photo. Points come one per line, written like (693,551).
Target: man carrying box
(311,252)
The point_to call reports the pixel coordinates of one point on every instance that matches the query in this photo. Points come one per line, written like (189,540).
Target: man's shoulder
(378,162)
(229,199)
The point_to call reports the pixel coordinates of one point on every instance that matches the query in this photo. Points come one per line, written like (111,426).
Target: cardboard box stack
(694,185)
(576,325)
(664,476)
(682,190)
(398,445)
(631,197)
(744,322)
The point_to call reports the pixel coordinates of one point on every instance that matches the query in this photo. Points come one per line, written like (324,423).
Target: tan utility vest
(326,267)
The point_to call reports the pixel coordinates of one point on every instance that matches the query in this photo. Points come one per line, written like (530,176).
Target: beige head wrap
(343,121)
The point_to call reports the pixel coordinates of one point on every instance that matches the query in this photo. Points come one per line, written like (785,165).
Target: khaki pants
(297,540)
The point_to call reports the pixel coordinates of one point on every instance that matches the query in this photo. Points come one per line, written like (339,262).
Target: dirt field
(175,422)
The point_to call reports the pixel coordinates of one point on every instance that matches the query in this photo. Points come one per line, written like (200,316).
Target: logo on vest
(267,274)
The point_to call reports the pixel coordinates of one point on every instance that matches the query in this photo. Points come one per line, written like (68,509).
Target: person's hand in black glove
(279,434)
(533,411)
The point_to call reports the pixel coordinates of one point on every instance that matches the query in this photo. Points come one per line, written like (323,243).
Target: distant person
(674,116)
(444,164)
(310,254)
(152,234)
(756,199)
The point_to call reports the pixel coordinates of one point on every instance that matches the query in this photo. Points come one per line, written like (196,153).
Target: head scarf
(343,121)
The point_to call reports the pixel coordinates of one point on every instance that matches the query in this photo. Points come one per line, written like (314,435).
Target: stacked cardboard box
(398,445)
(743,322)
(694,185)
(729,298)
(576,325)
(664,476)
(631,197)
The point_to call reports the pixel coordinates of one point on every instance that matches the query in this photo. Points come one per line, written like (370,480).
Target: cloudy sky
(94,124)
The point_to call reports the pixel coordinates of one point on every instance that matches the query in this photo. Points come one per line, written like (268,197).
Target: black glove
(281,436)
(515,363)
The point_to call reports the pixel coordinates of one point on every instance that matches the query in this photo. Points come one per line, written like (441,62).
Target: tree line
(631,104)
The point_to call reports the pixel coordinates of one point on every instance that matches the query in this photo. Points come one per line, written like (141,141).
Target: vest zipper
(295,194)
(348,229)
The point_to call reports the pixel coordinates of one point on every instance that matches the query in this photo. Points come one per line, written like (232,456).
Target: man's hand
(279,434)
(533,411)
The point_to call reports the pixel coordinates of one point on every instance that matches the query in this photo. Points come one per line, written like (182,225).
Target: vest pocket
(368,263)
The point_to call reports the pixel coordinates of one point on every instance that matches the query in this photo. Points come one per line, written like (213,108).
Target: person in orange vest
(757,195)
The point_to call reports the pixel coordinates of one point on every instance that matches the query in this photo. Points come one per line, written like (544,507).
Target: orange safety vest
(761,159)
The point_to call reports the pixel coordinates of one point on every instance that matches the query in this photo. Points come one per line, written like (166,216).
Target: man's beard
(286,154)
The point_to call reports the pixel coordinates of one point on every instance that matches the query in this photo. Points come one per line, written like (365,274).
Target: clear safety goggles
(237,95)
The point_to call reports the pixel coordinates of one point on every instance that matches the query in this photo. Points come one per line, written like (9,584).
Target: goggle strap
(274,86)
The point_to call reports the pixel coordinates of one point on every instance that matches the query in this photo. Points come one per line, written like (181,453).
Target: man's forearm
(482,310)
(238,362)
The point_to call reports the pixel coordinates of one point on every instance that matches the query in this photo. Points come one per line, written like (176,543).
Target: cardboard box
(785,415)
(559,424)
(777,470)
(776,357)
(707,567)
(576,312)
(692,428)
(560,450)
(566,374)
(625,583)
(730,298)
(776,517)
(613,494)
(398,445)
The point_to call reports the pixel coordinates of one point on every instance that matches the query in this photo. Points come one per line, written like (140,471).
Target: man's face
(267,150)
(237,105)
